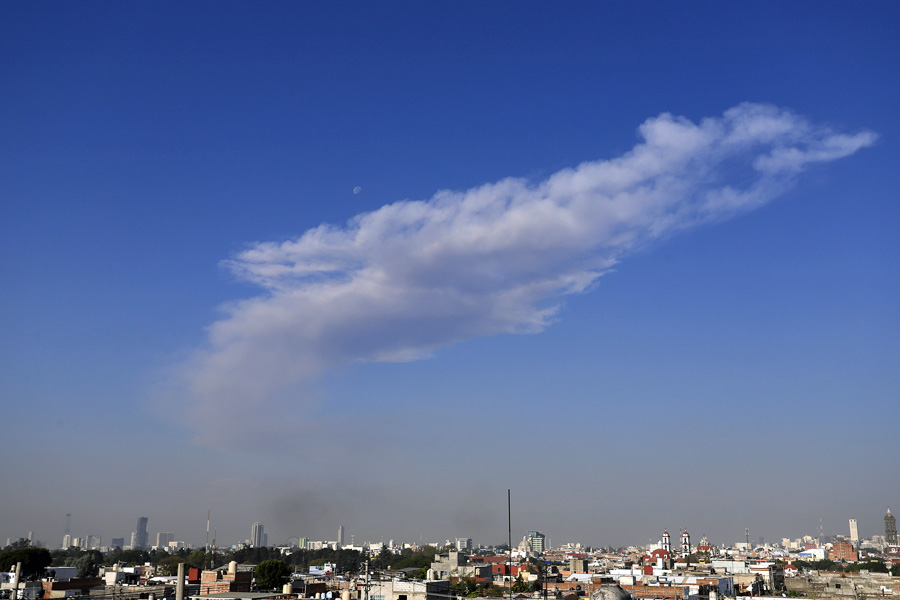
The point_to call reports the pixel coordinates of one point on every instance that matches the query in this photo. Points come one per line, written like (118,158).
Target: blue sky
(635,262)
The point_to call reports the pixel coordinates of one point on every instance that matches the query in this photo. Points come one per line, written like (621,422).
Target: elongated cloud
(400,282)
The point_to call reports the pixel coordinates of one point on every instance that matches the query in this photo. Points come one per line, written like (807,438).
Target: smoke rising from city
(399,283)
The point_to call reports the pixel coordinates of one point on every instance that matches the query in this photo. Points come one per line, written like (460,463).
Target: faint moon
(357,190)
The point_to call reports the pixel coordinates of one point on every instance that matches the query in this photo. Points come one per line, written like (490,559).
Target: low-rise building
(232,580)
(409,590)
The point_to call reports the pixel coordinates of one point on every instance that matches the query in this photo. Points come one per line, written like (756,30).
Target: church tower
(685,543)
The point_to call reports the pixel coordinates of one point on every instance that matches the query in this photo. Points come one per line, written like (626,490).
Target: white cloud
(400,282)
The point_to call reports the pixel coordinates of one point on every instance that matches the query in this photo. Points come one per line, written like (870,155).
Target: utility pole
(509,541)
(366,586)
(16,577)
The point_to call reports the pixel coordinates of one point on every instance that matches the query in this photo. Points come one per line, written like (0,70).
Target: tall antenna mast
(206,557)
(509,523)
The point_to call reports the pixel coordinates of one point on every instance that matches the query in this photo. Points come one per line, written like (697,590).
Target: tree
(420,559)
(19,543)
(196,558)
(494,591)
(464,586)
(874,566)
(384,559)
(88,564)
(129,557)
(169,566)
(34,560)
(272,573)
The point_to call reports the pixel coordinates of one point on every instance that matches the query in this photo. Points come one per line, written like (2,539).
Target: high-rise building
(163,539)
(536,541)
(890,528)
(257,534)
(340,539)
(142,537)
(133,542)
(463,544)
(67,537)
(117,543)
(854,533)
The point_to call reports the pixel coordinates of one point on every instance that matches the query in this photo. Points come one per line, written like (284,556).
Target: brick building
(233,580)
(842,551)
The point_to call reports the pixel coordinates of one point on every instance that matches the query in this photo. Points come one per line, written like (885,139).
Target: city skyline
(259,537)
(372,266)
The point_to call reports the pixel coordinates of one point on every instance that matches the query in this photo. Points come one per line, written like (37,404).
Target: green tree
(520,586)
(88,564)
(420,559)
(494,591)
(169,566)
(464,586)
(873,566)
(34,561)
(384,559)
(195,559)
(129,557)
(272,573)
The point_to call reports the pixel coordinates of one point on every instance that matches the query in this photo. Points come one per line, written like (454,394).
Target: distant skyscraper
(854,533)
(890,528)
(117,543)
(463,544)
(163,539)
(340,539)
(67,537)
(257,534)
(536,541)
(142,537)
(133,543)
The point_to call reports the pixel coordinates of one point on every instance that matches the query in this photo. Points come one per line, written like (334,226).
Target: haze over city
(319,265)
